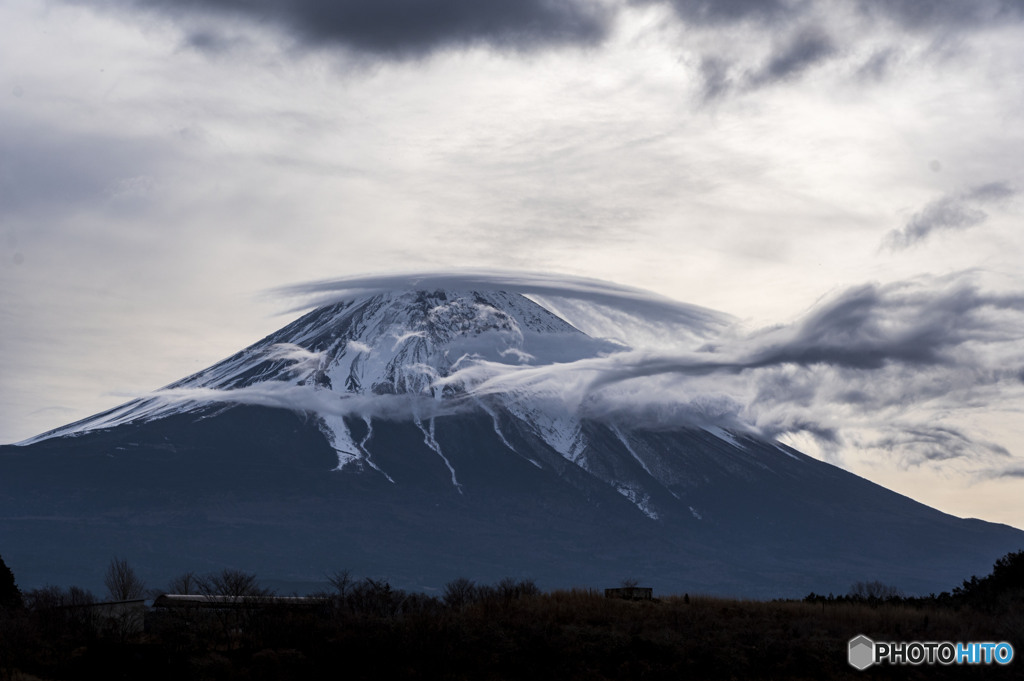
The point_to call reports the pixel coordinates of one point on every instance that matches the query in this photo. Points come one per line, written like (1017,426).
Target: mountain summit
(413,434)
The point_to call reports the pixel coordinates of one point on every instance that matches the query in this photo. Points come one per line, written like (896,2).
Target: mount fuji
(425,433)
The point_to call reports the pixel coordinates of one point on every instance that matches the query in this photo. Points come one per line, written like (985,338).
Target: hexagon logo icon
(862,652)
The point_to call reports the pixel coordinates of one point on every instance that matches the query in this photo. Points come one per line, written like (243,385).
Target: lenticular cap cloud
(698,320)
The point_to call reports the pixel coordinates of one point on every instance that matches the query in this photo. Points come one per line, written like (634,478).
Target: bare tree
(240,597)
(121,581)
(342,582)
(509,589)
(459,593)
(234,584)
(377,598)
(186,584)
(874,590)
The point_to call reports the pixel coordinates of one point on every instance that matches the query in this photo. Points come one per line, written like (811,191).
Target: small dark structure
(630,593)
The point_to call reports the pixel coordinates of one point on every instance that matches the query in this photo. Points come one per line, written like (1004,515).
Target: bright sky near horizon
(165,163)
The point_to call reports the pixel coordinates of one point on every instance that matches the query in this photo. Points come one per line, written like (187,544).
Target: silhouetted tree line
(10,594)
(1000,591)
(367,628)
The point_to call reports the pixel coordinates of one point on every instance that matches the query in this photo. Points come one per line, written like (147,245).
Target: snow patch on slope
(639,499)
(431,441)
(786,452)
(340,439)
(725,435)
(625,443)
(562,432)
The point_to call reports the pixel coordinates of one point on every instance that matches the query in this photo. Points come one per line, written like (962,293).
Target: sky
(840,177)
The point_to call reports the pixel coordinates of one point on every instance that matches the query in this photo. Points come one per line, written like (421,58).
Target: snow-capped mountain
(401,343)
(371,434)
(388,344)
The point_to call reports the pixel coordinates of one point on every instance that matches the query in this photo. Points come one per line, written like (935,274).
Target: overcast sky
(843,177)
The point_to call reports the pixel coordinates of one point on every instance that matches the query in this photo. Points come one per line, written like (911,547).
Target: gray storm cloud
(402,29)
(805,50)
(953,212)
(808,48)
(397,28)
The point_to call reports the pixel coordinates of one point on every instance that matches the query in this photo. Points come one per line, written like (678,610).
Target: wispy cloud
(788,59)
(936,443)
(302,359)
(864,365)
(953,212)
(282,395)
(808,48)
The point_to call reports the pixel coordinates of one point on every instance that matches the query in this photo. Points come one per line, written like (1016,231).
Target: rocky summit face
(365,436)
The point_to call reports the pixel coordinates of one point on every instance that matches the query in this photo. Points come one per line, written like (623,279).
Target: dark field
(365,629)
